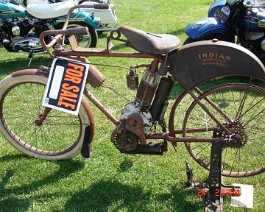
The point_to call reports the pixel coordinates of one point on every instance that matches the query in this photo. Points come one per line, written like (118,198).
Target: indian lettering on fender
(211,58)
(65,85)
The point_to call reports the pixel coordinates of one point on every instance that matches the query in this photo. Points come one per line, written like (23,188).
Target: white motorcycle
(109,20)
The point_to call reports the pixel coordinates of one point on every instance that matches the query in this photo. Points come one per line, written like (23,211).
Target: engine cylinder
(147,88)
(16,30)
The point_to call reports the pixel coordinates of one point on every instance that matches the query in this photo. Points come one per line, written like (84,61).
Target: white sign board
(245,200)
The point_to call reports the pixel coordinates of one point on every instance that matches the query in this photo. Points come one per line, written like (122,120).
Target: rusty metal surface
(29,72)
(200,61)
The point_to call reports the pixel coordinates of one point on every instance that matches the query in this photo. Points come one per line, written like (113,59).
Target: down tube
(113,119)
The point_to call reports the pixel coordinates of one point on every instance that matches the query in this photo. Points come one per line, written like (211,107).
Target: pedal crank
(129,137)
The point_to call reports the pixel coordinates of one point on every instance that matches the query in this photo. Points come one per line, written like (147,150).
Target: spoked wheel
(243,108)
(59,136)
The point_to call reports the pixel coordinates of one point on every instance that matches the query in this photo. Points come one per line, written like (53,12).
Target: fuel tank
(9,10)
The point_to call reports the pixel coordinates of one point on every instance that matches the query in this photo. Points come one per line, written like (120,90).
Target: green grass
(109,180)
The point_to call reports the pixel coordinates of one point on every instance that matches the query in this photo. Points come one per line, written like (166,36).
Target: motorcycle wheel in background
(86,41)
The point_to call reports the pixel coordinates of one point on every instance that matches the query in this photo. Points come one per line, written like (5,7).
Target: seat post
(154,66)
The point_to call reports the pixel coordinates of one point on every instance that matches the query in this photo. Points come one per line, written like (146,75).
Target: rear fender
(205,27)
(200,61)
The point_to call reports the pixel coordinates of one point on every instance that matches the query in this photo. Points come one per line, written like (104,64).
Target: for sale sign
(65,85)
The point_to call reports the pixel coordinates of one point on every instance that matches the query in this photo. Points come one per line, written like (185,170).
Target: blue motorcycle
(237,21)
(21,24)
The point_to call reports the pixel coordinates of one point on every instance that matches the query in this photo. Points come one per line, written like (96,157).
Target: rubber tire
(32,76)
(250,144)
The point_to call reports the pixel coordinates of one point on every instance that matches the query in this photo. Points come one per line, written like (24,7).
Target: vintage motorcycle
(46,112)
(20,27)
(237,21)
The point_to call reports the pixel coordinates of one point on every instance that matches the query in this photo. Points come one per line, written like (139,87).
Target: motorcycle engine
(18,35)
(26,44)
(135,108)
(124,140)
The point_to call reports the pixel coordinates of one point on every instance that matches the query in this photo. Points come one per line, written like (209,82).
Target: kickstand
(214,190)
(31,54)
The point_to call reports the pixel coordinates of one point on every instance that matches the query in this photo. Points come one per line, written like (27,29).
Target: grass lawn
(109,180)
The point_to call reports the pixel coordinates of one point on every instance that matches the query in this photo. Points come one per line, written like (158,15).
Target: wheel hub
(238,135)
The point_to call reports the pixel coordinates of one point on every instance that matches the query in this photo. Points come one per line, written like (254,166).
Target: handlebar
(64,31)
(59,33)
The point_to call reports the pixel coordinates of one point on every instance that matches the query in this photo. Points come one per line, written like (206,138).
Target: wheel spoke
(57,137)
(242,104)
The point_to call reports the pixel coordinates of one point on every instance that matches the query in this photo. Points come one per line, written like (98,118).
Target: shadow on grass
(25,201)
(115,196)
(9,66)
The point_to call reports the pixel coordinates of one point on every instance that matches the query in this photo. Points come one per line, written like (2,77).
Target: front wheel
(86,41)
(60,136)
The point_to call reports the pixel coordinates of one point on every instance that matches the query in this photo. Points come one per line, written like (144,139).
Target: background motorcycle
(20,27)
(107,16)
(239,21)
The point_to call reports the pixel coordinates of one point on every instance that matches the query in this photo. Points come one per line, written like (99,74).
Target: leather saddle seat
(150,43)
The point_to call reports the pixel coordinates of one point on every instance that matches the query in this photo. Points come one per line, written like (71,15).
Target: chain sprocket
(237,133)
(126,141)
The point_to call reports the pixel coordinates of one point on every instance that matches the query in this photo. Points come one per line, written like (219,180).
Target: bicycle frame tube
(156,58)
(190,65)
(167,136)
(105,111)
(170,136)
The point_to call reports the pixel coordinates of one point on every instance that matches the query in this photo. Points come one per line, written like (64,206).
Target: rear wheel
(59,136)
(244,105)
